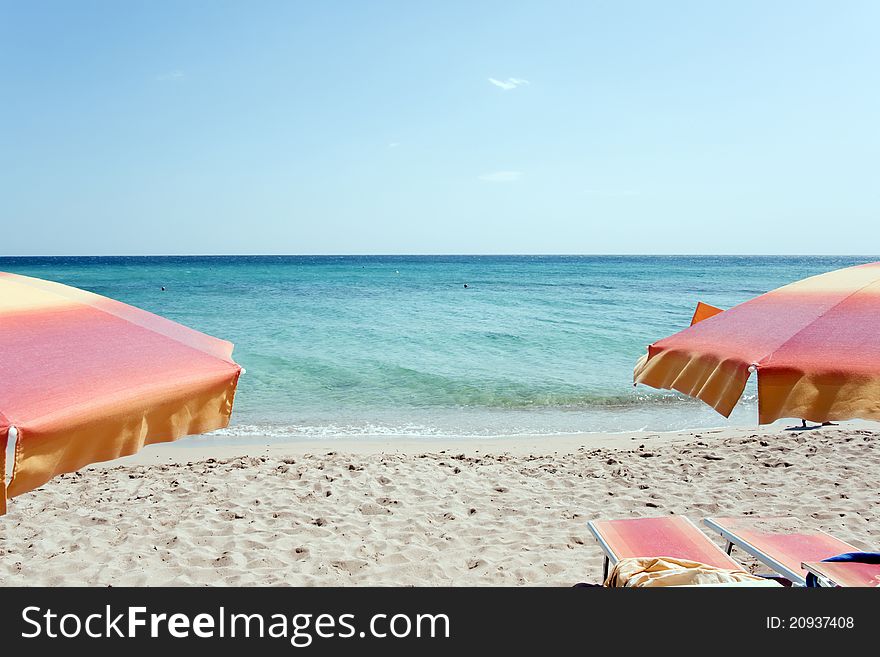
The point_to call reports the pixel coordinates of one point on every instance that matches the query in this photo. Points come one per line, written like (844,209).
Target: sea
(440,346)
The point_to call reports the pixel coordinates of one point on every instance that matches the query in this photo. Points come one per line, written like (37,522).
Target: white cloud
(394,144)
(170,76)
(510,83)
(502,176)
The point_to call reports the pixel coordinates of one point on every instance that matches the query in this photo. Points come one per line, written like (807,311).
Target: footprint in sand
(223,560)
(370,509)
(349,565)
(397,559)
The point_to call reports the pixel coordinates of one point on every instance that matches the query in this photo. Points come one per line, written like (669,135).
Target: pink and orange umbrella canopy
(814,344)
(84,379)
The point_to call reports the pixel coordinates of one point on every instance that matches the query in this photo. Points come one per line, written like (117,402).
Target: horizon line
(441,255)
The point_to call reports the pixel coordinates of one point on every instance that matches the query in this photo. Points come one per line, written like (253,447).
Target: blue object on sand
(852,557)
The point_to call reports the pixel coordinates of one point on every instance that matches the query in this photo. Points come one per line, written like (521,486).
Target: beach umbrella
(814,345)
(84,378)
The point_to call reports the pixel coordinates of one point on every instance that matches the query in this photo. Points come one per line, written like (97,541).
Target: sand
(421,512)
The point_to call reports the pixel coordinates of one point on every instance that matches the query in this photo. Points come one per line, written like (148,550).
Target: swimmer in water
(163,288)
(465,284)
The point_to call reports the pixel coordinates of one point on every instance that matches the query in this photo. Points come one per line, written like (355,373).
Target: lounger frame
(609,553)
(835,574)
(796,578)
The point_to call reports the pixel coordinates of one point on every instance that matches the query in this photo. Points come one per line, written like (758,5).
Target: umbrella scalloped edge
(818,397)
(782,392)
(46,450)
(716,381)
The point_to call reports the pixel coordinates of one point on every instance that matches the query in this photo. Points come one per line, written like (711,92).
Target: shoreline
(194,448)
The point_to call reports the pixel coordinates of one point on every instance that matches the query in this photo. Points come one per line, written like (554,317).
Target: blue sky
(442,127)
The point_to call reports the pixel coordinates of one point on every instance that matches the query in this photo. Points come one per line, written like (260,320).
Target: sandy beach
(418,512)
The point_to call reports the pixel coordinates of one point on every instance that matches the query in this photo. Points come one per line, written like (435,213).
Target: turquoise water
(397,345)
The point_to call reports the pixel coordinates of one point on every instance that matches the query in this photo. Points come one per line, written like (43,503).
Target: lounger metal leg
(605,569)
(729,547)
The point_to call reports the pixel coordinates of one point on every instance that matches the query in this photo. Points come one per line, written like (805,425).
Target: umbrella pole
(8,441)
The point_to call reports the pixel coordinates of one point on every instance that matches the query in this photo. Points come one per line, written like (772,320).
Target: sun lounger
(845,573)
(672,536)
(779,543)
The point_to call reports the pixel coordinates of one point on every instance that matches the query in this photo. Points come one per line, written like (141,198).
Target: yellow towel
(668,571)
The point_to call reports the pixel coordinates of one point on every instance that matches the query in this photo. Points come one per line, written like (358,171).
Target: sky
(211,127)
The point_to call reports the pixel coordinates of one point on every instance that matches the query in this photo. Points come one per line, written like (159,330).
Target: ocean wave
(331,430)
(298,432)
(653,412)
